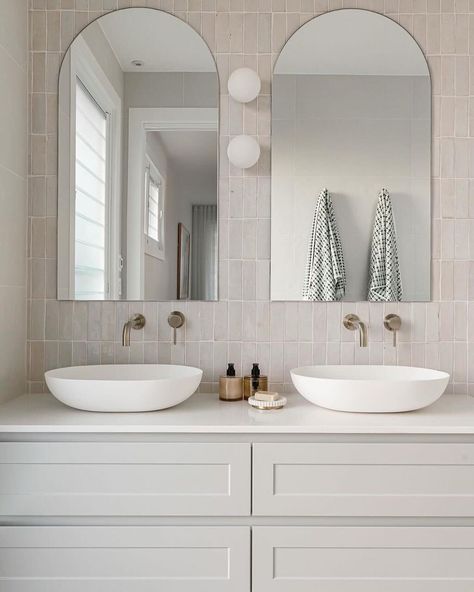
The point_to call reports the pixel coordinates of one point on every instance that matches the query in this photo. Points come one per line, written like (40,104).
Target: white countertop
(204,413)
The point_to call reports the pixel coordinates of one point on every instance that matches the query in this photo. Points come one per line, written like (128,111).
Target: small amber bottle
(254,382)
(230,386)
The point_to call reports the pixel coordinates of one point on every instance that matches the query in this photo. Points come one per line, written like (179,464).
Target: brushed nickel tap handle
(392,323)
(175,321)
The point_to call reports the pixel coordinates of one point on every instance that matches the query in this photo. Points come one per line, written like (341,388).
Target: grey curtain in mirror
(351,112)
(138,136)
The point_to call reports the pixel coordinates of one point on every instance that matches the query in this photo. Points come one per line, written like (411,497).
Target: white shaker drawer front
(124,559)
(364,479)
(363,559)
(124,479)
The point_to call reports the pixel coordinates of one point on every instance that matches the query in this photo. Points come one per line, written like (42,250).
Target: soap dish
(267,405)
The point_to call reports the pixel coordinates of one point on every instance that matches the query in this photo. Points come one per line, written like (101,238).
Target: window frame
(85,68)
(154,248)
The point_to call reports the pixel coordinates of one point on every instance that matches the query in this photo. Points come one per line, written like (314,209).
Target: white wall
(103,53)
(353,135)
(171,89)
(13,196)
(343,42)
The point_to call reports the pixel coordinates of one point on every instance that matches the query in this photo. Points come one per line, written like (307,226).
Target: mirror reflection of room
(351,160)
(137,181)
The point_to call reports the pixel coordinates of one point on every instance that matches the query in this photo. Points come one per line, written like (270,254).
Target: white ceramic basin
(370,389)
(124,387)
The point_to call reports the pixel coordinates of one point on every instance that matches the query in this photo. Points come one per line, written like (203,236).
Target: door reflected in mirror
(351,151)
(138,137)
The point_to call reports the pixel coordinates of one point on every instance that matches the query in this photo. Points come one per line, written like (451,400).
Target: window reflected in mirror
(93,199)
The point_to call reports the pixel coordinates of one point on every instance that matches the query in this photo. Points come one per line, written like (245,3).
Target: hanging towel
(325,274)
(384,274)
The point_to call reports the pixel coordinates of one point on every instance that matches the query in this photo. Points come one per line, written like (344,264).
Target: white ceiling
(192,151)
(162,41)
(353,42)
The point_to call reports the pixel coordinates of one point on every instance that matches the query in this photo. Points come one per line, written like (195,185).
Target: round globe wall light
(244,85)
(243,151)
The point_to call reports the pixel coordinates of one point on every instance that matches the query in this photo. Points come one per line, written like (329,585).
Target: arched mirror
(351,150)
(137,174)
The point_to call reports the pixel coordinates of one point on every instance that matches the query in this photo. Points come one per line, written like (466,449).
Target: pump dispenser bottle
(230,386)
(254,382)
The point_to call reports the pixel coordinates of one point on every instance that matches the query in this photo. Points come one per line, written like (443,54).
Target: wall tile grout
(246,325)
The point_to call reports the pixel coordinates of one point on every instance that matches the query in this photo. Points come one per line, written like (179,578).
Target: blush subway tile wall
(244,326)
(13,195)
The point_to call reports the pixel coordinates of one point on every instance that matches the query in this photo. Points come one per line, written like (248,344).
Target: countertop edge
(308,430)
(203,414)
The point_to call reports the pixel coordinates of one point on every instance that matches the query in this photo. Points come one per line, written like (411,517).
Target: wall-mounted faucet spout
(137,321)
(353,323)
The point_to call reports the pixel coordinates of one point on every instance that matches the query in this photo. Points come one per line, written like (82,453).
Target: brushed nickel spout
(353,323)
(137,321)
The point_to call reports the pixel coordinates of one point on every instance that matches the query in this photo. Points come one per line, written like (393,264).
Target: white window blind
(91,197)
(153,208)
(154,218)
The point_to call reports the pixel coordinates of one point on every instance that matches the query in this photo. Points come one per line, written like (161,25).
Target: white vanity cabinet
(124,479)
(363,559)
(363,479)
(124,559)
(230,502)
(84,484)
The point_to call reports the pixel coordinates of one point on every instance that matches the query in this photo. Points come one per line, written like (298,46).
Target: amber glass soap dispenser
(254,382)
(230,385)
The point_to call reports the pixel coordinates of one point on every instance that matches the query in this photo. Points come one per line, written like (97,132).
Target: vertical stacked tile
(244,326)
(13,197)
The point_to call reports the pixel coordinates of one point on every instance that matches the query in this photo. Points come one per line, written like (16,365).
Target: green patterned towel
(325,274)
(385,284)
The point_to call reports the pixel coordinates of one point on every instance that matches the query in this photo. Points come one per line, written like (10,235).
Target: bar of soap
(266,396)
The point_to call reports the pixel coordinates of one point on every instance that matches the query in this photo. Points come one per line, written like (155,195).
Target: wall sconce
(244,85)
(243,151)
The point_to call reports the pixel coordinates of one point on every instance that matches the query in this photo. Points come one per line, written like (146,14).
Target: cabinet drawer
(364,479)
(363,559)
(122,559)
(124,479)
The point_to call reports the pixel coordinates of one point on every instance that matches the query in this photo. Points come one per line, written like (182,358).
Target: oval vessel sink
(123,387)
(370,389)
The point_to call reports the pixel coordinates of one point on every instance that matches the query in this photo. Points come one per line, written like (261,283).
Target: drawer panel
(363,559)
(121,559)
(364,479)
(124,479)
